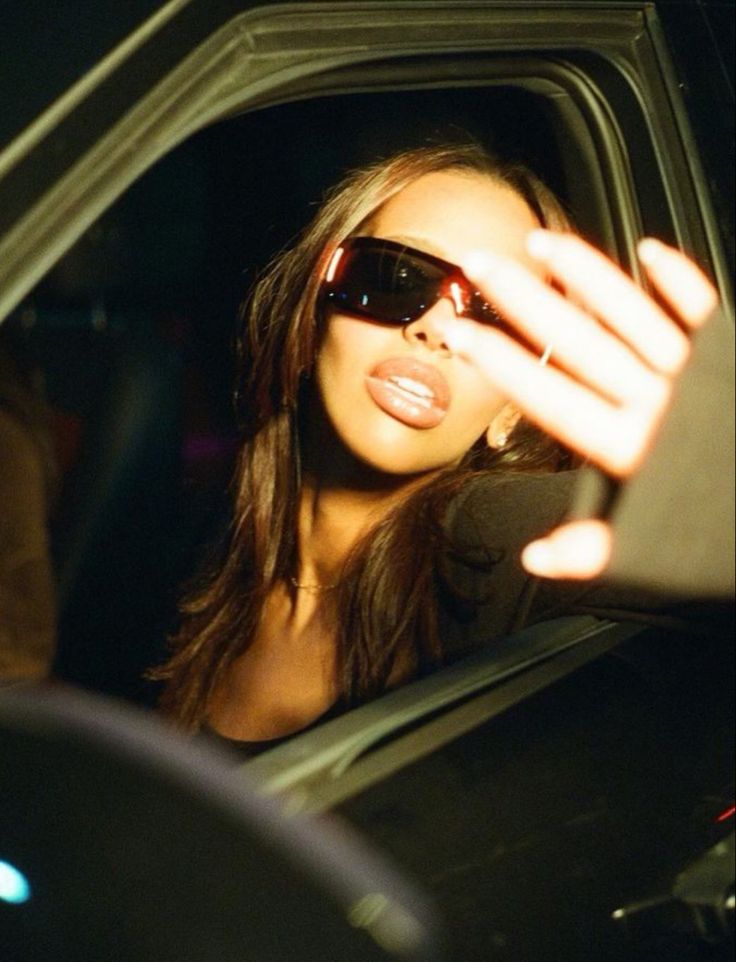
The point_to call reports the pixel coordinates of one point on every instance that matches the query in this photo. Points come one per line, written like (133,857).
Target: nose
(432,327)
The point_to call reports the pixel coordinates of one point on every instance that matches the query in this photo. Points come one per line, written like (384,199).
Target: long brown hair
(382,612)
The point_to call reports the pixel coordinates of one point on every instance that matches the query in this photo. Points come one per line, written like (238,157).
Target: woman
(387,481)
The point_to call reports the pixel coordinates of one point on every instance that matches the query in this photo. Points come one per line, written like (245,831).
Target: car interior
(133,330)
(134,326)
(178,861)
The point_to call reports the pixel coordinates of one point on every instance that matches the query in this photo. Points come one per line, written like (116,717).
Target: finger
(581,345)
(605,290)
(615,438)
(681,282)
(579,550)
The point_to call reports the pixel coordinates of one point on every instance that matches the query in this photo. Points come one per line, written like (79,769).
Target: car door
(610,90)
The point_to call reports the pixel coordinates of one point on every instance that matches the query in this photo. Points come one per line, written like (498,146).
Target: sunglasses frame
(466,299)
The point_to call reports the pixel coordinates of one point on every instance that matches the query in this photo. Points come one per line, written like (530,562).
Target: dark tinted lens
(486,313)
(387,285)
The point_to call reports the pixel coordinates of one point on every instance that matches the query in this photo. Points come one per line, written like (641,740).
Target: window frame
(267,55)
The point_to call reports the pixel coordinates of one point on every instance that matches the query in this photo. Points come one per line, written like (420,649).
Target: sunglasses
(390,282)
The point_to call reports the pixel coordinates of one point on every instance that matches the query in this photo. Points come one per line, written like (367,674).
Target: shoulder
(487,524)
(509,509)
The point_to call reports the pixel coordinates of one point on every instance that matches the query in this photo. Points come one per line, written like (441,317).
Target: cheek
(349,350)
(477,402)
(346,353)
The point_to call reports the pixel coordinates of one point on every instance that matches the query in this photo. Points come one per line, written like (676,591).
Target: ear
(502,425)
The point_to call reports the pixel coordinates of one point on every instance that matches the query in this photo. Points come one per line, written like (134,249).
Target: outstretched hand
(615,356)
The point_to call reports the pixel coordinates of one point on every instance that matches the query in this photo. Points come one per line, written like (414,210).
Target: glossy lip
(410,391)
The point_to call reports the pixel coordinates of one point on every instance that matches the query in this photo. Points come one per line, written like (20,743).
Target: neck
(332,518)
(341,499)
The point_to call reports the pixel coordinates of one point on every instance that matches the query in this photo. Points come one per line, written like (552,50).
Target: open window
(132,217)
(151,203)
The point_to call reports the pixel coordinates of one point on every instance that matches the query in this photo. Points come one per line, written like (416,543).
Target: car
(557,794)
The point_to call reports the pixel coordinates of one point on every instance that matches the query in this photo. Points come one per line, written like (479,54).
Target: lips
(410,391)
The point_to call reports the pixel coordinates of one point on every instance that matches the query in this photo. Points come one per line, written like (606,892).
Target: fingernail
(674,353)
(539,243)
(649,250)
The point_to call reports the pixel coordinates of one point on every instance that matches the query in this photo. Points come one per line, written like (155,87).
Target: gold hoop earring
(497,441)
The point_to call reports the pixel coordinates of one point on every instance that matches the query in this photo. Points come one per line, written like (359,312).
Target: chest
(281,683)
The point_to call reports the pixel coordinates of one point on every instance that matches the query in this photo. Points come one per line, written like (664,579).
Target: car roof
(48,47)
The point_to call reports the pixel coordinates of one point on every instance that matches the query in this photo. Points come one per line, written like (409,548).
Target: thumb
(579,550)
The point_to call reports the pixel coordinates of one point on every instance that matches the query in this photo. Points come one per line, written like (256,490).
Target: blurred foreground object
(120,841)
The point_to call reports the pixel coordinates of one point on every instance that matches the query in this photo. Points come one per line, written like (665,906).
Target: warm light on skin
(451,214)
(477,262)
(579,550)
(682,282)
(615,353)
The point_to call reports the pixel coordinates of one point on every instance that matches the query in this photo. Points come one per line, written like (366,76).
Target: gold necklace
(314,586)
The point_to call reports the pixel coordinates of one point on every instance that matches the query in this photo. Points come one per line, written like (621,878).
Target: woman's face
(397,398)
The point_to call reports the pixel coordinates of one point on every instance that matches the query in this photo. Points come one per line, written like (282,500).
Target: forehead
(451,213)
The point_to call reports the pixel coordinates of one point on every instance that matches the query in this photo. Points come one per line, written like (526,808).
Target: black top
(248,749)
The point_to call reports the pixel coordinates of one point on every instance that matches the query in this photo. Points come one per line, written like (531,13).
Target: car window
(130,233)
(143,305)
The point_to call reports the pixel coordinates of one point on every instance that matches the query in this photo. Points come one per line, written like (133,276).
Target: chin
(385,447)
(399,461)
